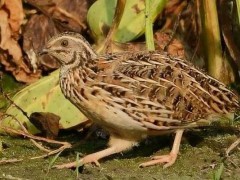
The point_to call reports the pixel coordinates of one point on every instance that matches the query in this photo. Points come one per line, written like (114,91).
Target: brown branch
(20,124)
(19,132)
(62,148)
(12,102)
(26,131)
(232,146)
(65,145)
(115,23)
(39,146)
(6,161)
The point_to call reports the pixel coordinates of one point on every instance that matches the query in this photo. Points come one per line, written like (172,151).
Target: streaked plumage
(137,94)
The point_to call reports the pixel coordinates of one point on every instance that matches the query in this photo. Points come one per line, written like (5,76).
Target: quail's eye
(64,43)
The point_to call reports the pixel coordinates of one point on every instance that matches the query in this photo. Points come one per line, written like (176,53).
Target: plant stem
(149,27)
(238,10)
(212,39)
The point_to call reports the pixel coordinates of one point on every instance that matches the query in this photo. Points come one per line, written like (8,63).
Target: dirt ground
(201,154)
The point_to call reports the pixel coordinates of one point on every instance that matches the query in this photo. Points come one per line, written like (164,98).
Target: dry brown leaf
(10,27)
(175,48)
(7,42)
(1,3)
(46,122)
(226,24)
(57,16)
(16,14)
(37,31)
(68,15)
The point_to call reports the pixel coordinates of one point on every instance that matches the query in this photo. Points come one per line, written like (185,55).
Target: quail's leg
(116,145)
(170,158)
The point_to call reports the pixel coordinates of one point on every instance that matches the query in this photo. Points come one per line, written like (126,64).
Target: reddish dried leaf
(16,14)
(7,42)
(12,57)
(2,3)
(175,48)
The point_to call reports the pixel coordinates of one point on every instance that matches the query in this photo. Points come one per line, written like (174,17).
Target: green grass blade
(218,173)
(78,165)
(1,146)
(53,161)
(238,10)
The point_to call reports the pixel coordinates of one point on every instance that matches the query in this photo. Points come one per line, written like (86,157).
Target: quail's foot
(171,157)
(116,144)
(91,158)
(168,159)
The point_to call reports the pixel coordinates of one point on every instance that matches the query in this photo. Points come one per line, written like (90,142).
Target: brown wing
(160,91)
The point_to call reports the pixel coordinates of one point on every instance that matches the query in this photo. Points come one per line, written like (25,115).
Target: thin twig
(232,146)
(176,24)
(62,148)
(6,161)
(12,102)
(26,131)
(14,118)
(65,145)
(39,146)
(115,23)
(19,132)
(20,124)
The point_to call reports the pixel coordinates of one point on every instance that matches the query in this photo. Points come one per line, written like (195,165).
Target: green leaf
(132,25)
(218,173)
(43,96)
(3,102)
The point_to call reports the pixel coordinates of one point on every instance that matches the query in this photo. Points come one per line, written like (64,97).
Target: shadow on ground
(200,157)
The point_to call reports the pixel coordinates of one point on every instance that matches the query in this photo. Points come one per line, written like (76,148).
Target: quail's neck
(84,60)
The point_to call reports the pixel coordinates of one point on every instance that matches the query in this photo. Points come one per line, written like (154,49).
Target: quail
(134,95)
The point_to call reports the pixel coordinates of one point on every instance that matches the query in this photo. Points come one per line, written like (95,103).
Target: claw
(81,162)
(117,145)
(168,159)
(67,165)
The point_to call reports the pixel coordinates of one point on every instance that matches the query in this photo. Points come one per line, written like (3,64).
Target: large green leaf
(43,96)
(132,24)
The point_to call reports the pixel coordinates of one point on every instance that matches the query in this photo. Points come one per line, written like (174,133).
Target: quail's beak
(42,52)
